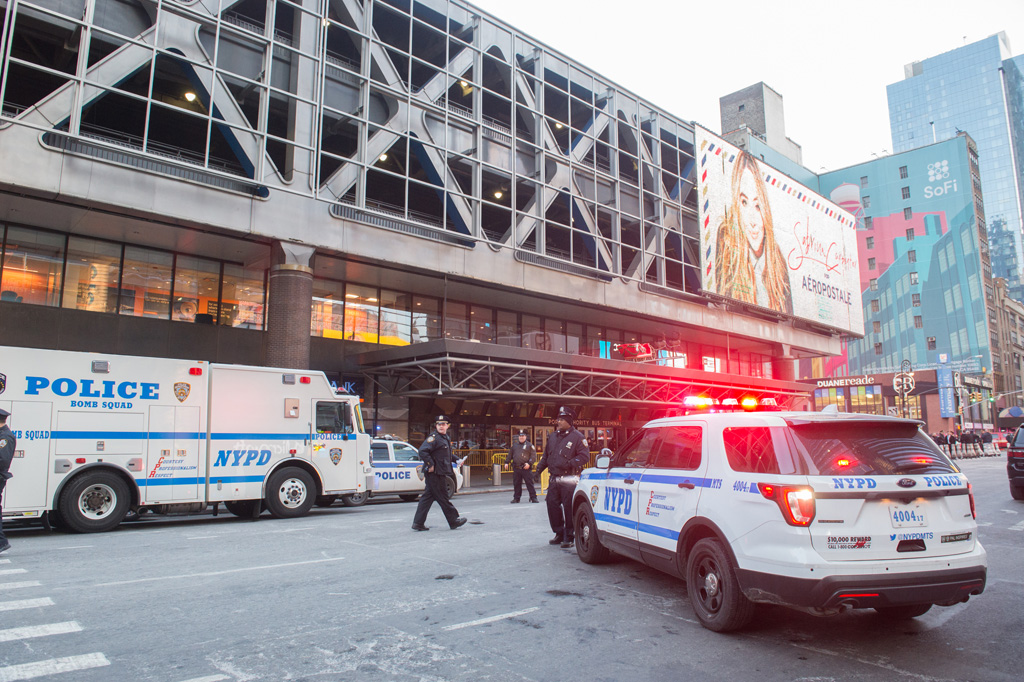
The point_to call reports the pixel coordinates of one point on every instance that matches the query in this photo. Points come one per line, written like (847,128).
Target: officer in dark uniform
(520,459)
(436,453)
(565,456)
(7,444)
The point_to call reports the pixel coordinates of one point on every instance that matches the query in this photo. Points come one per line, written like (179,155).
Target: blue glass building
(979,89)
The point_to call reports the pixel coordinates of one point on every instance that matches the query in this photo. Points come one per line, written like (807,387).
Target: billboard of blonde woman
(770,242)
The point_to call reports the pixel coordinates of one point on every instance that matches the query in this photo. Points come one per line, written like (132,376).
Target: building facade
(979,89)
(442,213)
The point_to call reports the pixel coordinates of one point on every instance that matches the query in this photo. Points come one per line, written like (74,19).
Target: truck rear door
(31,464)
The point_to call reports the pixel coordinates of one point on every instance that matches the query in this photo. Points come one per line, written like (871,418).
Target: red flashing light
(195,371)
(304,380)
(844,462)
(795,501)
(748,403)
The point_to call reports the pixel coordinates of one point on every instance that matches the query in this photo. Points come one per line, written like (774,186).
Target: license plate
(906,516)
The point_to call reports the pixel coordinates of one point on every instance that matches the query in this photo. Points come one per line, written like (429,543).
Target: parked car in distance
(1001,439)
(394,466)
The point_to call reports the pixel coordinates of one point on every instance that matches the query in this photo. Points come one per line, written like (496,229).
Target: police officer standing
(565,455)
(7,444)
(521,457)
(436,453)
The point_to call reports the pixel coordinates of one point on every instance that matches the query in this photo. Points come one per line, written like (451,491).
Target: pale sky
(830,61)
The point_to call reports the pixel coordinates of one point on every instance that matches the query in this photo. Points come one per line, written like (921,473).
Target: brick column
(289,307)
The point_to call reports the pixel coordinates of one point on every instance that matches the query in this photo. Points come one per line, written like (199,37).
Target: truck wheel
(354,500)
(588,547)
(95,502)
(325,500)
(290,493)
(905,612)
(1017,492)
(713,589)
(410,498)
(449,486)
(242,508)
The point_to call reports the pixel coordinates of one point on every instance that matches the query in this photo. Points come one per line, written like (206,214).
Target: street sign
(893,411)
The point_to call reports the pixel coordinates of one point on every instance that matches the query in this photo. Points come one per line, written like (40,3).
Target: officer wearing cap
(565,456)
(436,453)
(7,444)
(521,457)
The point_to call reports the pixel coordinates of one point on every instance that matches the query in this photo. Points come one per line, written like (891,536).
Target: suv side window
(681,448)
(1018,438)
(405,453)
(637,453)
(379,452)
(750,449)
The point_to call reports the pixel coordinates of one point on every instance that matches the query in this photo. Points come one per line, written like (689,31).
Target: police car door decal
(616,507)
(671,485)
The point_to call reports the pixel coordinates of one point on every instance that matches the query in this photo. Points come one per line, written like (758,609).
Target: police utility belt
(566,478)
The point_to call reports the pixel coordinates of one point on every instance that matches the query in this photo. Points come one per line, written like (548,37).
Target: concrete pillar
(289,307)
(784,365)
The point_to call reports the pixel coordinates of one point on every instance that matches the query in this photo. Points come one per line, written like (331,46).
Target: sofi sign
(938,175)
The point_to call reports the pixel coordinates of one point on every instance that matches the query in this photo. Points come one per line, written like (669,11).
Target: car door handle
(687,485)
(400,466)
(628,481)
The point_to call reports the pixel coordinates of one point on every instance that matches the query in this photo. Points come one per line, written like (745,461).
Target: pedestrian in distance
(521,458)
(436,453)
(565,455)
(7,444)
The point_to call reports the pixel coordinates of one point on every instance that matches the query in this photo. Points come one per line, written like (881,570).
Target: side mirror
(603,462)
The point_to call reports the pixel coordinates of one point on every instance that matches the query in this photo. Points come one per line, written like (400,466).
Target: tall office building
(979,89)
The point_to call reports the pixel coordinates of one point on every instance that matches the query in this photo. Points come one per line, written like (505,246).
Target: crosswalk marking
(209,678)
(12,571)
(1017,526)
(15,586)
(25,604)
(5,561)
(52,666)
(39,631)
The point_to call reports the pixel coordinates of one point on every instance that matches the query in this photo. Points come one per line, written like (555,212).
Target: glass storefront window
(196,289)
(426,319)
(31,267)
(481,324)
(243,297)
(555,334)
(456,321)
(532,335)
(574,338)
(91,277)
(508,329)
(361,313)
(146,283)
(328,309)
(395,318)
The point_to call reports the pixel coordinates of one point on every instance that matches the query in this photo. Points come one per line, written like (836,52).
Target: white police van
(394,465)
(818,511)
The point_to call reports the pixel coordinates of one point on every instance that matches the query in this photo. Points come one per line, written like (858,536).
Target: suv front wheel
(713,589)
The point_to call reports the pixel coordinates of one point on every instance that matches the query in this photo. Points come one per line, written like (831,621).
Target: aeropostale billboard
(768,241)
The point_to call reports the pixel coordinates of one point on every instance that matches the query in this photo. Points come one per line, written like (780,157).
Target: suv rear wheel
(713,589)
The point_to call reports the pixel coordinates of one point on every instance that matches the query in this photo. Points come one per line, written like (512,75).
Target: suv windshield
(877,448)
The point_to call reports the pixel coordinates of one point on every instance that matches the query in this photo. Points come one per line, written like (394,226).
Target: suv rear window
(1018,438)
(880,449)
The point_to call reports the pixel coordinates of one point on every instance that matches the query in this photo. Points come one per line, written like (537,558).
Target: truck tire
(290,493)
(354,500)
(94,502)
(326,500)
(242,508)
(714,591)
(588,547)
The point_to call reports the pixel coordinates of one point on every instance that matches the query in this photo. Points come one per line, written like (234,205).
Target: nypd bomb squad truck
(102,435)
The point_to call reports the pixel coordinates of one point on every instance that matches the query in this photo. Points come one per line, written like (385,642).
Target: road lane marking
(25,604)
(12,571)
(209,678)
(215,573)
(290,530)
(484,621)
(5,561)
(77,547)
(15,586)
(1016,526)
(203,537)
(370,523)
(39,631)
(52,666)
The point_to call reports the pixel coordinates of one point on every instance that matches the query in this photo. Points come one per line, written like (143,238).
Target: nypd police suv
(822,512)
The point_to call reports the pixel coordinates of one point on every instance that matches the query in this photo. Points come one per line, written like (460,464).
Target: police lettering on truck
(107,434)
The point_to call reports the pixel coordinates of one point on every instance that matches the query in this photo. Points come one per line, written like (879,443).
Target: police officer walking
(521,457)
(7,444)
(565,455)
(436,453)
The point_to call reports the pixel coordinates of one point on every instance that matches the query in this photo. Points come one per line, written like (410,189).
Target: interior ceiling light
(558,126)
(383,157)
(498,194)
(190,96)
